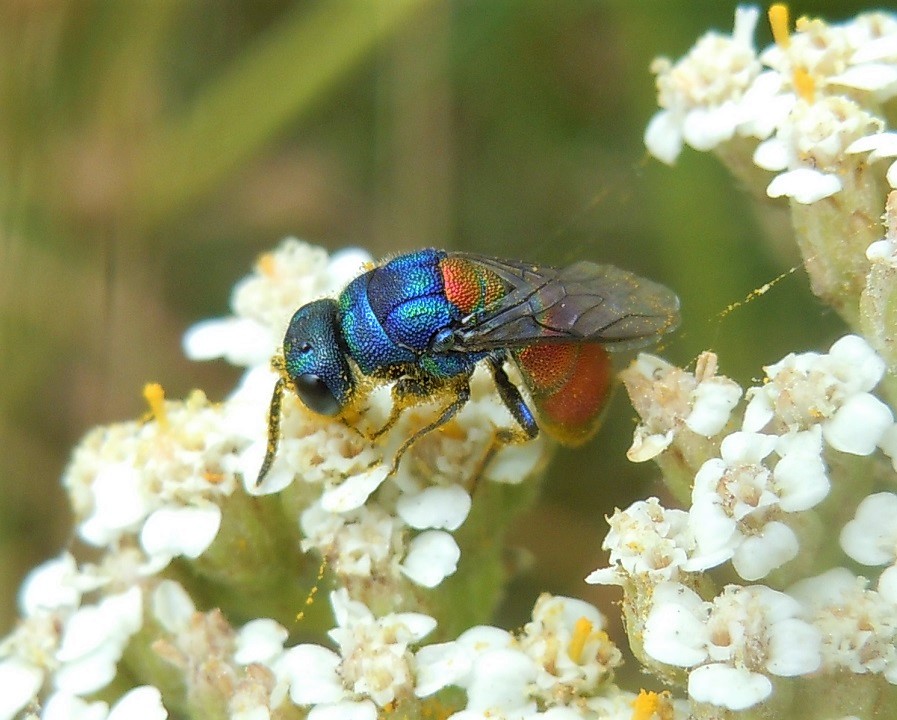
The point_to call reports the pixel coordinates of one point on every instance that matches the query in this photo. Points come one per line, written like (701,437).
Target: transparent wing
(583,302)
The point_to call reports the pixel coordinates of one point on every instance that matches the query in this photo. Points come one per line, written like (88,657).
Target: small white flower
(737,500)
(368,541)
(566,638)
(171,469)
(872,38)
(799,477)
(373,663)
(646,539)
(500,682)
(712,403)
(119,504)
(354,491)
(512,464)
(766,105)
(831,57)
(809,146)
(669,399)
(831,391)
(702,95)
(883,251)
(314,674)
(857,624)
(557,659)
(804,185)
(887,584)
(728,489)
(733,642)
(858,425)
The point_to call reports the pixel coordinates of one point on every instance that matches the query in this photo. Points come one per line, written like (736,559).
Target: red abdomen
(569,384)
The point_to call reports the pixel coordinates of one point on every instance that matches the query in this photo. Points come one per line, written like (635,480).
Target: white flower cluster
(806,102)
(763,489)
(554,668)
(559,666)
(157,483)
(699,402)
(755,504)
(77,644)
(163,490)
(733,642)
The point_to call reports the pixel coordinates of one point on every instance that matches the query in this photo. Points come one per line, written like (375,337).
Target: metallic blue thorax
(389,315)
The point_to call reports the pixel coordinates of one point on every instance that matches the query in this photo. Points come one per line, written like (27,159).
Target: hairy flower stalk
(337,589)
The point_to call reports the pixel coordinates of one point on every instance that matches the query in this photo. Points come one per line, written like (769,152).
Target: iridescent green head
(314,365)
(315,360)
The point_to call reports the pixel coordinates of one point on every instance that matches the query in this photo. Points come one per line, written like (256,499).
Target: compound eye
(313,391)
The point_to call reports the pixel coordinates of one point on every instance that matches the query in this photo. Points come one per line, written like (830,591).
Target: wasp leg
(461,390)
(273,430)
(515,403)
(402,390)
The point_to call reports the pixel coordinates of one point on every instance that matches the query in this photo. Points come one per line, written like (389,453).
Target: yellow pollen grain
(267,265)
(804,84)
(651,705)
(155,398)
(757,292)
(434,709)
(213,478)
(310,598)
(778,23)
(581,632)
(453,431)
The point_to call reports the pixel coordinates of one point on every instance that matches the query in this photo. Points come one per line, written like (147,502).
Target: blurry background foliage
(151,149)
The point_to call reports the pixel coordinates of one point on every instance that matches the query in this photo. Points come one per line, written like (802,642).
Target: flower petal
(858,425)
(141,703)
(432,557)
(441,508)
(353,492)
(175,531)
(804,185)
(20,682)
(728,687)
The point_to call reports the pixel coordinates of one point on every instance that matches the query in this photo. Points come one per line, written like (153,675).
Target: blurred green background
(149,151)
